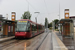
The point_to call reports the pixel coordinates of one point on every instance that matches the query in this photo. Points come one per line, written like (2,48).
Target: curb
(5,39)
(60,43)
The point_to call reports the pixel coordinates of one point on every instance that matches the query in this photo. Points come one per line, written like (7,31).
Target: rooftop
(72,17)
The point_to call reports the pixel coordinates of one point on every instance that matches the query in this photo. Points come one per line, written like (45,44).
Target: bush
(50,28)
(57,29)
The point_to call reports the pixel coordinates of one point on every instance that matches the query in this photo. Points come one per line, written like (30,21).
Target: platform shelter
(7,27)
(67,27)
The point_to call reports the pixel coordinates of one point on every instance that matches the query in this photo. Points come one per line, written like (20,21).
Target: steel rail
(41,42)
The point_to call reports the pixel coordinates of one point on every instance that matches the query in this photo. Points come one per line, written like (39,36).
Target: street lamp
(37,16)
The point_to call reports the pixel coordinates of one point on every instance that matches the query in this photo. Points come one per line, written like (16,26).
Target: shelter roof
(65,21)
(7,20)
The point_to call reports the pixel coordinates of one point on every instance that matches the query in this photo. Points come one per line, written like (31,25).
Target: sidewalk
(58,44)
(69,42)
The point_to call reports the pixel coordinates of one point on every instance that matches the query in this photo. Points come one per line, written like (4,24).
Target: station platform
(5,38)
(52,42)
(69,42)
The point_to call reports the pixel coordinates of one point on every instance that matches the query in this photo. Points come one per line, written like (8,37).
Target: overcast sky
(47,8)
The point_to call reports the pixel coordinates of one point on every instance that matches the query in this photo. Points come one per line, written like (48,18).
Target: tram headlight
(15,32)
(25,32)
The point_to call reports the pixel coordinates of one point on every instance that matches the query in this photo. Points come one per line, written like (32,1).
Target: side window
(34,27)
(28,26)
(39,27)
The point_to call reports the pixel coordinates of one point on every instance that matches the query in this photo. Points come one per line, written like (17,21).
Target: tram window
(28,26)
(39,27)
(34,27)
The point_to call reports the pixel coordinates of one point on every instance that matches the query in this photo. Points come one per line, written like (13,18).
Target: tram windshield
(21,26)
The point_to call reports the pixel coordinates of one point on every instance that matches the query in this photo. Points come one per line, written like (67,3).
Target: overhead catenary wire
(31,5)
(47,12)
(46,7)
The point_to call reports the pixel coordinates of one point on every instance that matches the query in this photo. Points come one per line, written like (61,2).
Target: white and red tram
(27,28)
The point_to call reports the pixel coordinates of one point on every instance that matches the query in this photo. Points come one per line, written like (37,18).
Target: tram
(27,28)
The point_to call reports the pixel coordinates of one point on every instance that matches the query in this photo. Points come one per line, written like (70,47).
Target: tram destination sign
(22,21)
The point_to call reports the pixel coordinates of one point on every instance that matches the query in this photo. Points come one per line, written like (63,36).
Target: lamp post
(7,16)
(37,16)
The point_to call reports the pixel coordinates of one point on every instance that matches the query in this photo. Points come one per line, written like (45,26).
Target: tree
(46,23)
(56,21)
(50,24)
(26,15)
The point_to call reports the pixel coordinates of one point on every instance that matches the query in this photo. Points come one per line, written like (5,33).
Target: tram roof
(28,20)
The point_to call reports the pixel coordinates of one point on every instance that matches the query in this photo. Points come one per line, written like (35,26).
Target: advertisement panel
(13,16)
(66,13)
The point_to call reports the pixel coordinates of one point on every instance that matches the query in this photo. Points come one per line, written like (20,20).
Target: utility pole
(28,6)
(59,10)
(53,25)
(47,23)
(59,16)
